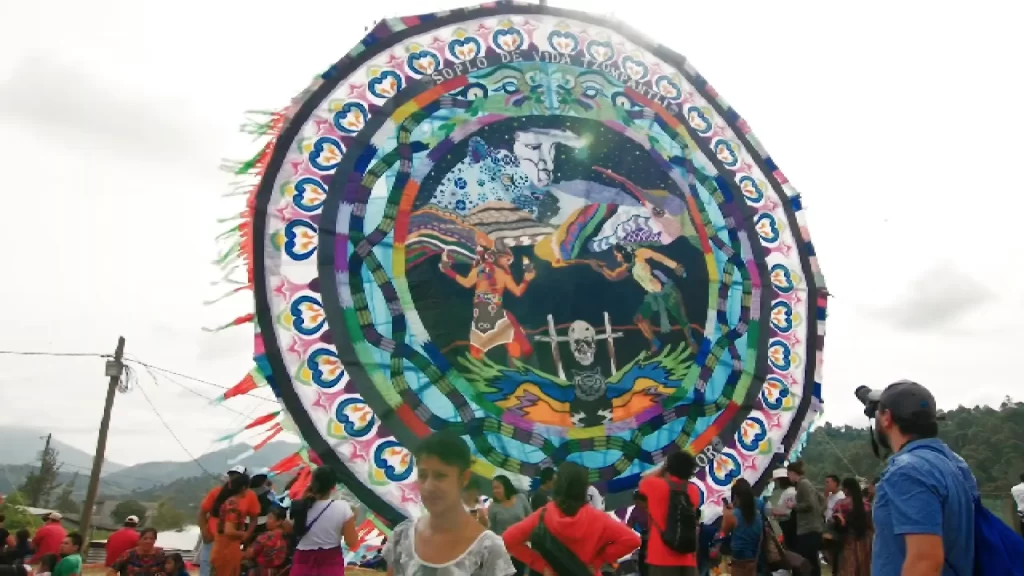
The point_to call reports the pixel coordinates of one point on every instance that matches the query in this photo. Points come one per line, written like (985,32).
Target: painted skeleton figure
(591,406)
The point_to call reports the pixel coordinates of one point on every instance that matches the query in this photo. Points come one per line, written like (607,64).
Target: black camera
(870,398)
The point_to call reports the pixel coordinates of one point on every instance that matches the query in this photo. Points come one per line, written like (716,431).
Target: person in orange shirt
(662,560)
(226,555)
(249,506)
(48,538)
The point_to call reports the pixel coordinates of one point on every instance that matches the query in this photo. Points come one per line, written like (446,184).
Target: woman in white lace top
(447,540)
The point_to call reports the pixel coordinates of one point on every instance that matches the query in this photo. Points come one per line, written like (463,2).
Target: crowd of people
(917,518)
(52,551)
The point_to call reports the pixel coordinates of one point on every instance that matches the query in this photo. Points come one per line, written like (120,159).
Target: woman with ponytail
(852,518)
(230,516)
(591,535)
(319,524)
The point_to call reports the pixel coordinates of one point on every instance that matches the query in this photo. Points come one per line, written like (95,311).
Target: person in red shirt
(250,507)
(270,550)
(662,560)
(48,538)
(123,540)
(593,536)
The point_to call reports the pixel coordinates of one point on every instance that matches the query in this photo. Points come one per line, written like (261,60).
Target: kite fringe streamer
(287,464)
(244,386)
(277,429)
(228,294)
(265,419)
(244,319)
(235,252)
(242,456)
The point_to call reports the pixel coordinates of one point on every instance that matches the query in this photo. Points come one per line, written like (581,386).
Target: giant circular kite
(546,233)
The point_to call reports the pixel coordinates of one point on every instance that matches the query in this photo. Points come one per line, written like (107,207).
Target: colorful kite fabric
(540,230)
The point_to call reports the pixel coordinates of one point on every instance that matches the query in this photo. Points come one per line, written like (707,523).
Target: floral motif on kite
(520,224)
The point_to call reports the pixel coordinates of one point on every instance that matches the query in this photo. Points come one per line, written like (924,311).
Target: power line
(179,374)
(167,371)
(153,375)
(171,431)
(44,353)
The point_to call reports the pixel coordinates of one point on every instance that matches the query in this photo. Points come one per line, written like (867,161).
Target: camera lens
(869,398)
(863,393)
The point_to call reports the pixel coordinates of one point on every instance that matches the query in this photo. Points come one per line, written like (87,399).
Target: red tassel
(276,430)
(248,384)
(301,483)
(287,464)
(243,319)
(266,418)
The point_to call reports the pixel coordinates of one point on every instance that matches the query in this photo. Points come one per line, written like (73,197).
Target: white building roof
(185,539)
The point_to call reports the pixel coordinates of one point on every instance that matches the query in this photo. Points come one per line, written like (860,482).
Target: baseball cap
(260,472)
(132,519)
(908,402)
(239,469)
(780,473)
(55,516)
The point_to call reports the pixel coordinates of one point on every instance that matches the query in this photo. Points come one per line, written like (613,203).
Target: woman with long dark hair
(226,556)
(320,524)
(145,559)
(447,539)
(17,553)
(591,535)
(744,521)
(852,518)
(508,505)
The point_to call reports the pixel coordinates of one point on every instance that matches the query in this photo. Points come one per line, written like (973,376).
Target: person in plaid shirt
(270,550)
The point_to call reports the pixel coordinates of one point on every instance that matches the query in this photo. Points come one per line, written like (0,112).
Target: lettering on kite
(611,69)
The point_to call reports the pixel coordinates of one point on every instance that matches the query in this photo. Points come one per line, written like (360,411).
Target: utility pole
(113,370)
(42,466)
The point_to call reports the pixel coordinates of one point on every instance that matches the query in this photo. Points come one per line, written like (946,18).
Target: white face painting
(536,152)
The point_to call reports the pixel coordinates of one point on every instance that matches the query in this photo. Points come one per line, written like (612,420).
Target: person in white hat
(208,524)
(48,539)
(126,538)
(783,502)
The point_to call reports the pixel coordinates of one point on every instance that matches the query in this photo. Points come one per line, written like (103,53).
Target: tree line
(41,489)
(991,440)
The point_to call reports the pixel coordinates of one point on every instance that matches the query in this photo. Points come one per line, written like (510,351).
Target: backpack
(563,561)
(997,548)
(680,531)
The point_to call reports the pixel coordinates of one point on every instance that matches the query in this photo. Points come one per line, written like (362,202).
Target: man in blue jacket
(924,504)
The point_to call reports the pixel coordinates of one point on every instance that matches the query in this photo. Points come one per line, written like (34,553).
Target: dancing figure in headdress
(663,296)
(491,276)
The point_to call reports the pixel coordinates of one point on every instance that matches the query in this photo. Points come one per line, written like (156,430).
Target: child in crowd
(175,565)
(270,550)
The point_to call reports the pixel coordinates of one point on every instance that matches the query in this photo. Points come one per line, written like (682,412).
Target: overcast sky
(900,123)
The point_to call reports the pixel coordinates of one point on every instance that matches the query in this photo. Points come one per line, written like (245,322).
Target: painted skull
(582,342)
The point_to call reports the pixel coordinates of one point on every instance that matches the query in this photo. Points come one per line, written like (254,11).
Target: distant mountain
(150,474)
(13,475)
(22,445)
(19,454)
